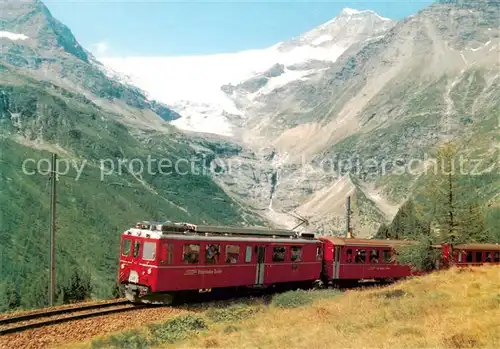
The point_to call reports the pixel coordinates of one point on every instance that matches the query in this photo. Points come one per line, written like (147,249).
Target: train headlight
(149,271)
(122,266)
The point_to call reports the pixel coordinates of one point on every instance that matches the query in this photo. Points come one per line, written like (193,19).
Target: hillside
(55,97)
(448,309)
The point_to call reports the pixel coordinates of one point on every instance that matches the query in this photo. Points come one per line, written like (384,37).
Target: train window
(488,257)
(296,254)
(497,257)
(248,255)
(136,248)
(348,254)
(170,253)
(479,256)
(232,253)
(459,256)
(127,244)
(212,253)
(374,255)
(387,256)
(360,256)
(279,254)
(149,251)
(191,253)
(318,253)
(469,257)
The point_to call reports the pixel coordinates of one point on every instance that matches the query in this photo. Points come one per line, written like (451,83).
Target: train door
(130,250)
(261,254)
(336,263)
(134,254)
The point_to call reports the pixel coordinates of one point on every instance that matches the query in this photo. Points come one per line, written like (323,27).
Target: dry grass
(451,309)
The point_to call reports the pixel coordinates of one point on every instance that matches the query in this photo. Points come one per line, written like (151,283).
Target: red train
(162,261)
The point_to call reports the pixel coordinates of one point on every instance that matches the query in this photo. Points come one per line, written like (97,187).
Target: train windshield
(135,248)
(130,248)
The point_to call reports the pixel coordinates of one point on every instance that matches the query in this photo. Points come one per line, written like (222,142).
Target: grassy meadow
(456,308)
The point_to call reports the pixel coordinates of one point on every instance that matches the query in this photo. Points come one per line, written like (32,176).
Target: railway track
(40,319)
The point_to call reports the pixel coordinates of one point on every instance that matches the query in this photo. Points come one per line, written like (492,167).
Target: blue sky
(172,28)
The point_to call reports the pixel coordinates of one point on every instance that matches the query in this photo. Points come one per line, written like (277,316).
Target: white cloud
(100,48)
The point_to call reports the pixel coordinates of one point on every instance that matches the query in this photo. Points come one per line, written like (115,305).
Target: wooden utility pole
(348,232)
(53,174)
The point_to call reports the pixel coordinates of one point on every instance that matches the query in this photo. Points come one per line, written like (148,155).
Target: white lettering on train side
(203,271)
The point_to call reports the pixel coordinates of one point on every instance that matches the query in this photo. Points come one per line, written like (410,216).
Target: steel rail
(120,306)
(37,315)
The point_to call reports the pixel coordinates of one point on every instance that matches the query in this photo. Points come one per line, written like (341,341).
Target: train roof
(344,241)
(478,247)
(159,229)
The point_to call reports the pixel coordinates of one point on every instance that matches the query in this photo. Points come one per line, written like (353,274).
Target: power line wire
(86,178)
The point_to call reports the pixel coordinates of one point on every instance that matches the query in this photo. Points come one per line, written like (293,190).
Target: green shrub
(292,299)
(420,257)
(394,294)
(176,329)
(126,340)
(299,298)
(233,313)
(325,294)
(231,329)
(99,343)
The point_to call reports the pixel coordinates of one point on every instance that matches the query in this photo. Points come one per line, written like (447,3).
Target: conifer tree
(405,225)
(446,211)
(447,202)
(382,232)
(78,287)
(9,295)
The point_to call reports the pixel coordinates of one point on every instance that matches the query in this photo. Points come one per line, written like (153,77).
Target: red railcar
(160,261)
(348,260)
(471,254)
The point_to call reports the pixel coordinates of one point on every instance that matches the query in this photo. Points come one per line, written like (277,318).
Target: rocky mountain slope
(369,123)
(55,97)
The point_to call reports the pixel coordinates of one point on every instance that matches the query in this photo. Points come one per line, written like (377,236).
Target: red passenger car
(161,261)
(472,254)
(349,260)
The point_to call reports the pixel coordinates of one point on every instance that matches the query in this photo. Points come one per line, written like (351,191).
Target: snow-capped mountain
(192,85)
(348,27)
